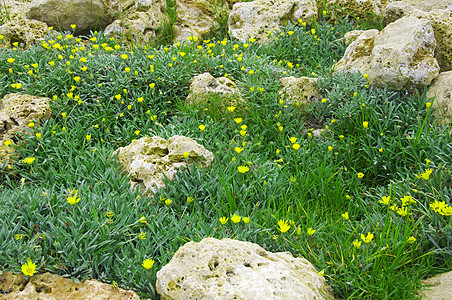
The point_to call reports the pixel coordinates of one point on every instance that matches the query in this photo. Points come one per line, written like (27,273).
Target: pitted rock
(441,89)
(254,19)
(52,286)
(148,160)
(401,56)
(230,269)
(24,32)
(299,91)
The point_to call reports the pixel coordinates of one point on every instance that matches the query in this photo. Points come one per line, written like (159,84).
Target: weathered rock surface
(16,8)
(353,35)
(299,91)
(254,19)
(16,111)
(441,290)
(231,269)
(147,159)
(139,26)
(204,87)
(25,32)
(400,56)
(441,89)
(356,8)
(398,9)
(441,21)
(86,14)
(52,286)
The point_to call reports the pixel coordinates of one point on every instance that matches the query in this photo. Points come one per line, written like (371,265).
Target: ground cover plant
(358,182)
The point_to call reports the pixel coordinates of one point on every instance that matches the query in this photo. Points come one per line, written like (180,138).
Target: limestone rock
(86,14)
(441,290)
(16,8)
(139,26)
(147,159)
(16,111)
(441,89)
(298,91)
(231,269)
(400,56)
(396,10)
(25,32)
(52,286)
(356,8)
(204,87)
(196,18)
(441,21)
(353,35)
(254,19)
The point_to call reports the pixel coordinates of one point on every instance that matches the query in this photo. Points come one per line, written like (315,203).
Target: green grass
(312,187)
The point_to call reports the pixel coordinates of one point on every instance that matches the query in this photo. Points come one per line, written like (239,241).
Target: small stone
(299,90)
(441,89)
(440,287)
(147,159)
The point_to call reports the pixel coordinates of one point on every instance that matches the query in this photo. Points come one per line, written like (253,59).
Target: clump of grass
(367,201)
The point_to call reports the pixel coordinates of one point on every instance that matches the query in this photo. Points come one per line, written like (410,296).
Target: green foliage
(368,144)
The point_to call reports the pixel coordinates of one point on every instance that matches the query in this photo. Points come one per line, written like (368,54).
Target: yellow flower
(109,214)
(345,216)
(168,201)
(186,155)
(148,263)
(238,149)
(189,199)
(427,161)
(365,124)
(330,149)
(367,238)
(18,237)
(246,220)
(426,174)
(236,218)
(438,206)
(124,56)
(202,127)
(152,85)
(356,244)
(73,26)
(73,199)
(385,200)
(323,100)
(29,268)
(411,240)
(296,147)
(277,151)
(142,236)
(142,220)
(77,78)
(428,105)
(28,160)
(243,169)
(283,225)
(446,211)
(231,108)
(348,197)
(88,137)
(311,231)
(238,120)
(293,140)
(223,220)
(38,135)
(360,175)
(403,211)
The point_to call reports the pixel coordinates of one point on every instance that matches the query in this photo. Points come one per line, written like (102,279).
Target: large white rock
(149,159)
(86,14)
(254,19)
(441,21)
(440,287)
(400,56)
(230,269)
(441,89)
